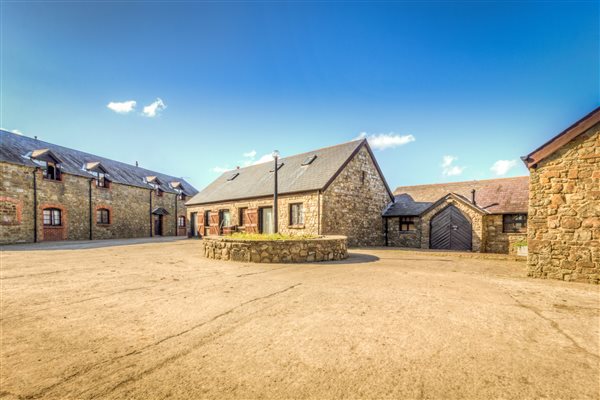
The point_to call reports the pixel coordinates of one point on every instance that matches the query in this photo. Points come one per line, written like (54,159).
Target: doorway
(194,224)
(266,220)
(158,225)
(451,230)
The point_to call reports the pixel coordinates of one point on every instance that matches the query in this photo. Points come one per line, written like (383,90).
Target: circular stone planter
(325,248)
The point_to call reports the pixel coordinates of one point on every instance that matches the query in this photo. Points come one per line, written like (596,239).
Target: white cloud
(220,170)
(501,167)
(384,141)
(250,154)
(448,167)
(123,107)
(153,109)
(18,132)
(263,159)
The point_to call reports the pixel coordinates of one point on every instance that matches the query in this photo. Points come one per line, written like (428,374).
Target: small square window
(407,224)
(102,216)
(514,223)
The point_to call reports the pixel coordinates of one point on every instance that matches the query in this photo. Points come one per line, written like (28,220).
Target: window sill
(407,232)
(52,180)
(103,225)
(296,226)
(53,227)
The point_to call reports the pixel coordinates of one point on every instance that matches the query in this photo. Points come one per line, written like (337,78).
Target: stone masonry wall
(309,200)
(352,206)
(496,240)
(275,251)
(564,212)
(129,208)
(397,238)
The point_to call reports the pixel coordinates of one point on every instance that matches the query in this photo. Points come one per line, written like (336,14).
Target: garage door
(450,230)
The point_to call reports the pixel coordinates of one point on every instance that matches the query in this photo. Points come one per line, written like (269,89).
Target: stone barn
(564,205)
(336,190)
(481,216)
(50,192)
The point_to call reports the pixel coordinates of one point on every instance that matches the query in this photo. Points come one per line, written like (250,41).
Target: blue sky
(444,90)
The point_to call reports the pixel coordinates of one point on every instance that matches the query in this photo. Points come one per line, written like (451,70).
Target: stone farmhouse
(334,190)
(564,206)
(482,216)
(49,192)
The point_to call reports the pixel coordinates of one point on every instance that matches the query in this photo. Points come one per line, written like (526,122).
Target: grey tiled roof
(257,180)
(15,148)
(495,196)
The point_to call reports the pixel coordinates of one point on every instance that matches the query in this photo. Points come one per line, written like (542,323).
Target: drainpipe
(386,232)
(176,217)
(150,213)
(473,197)
(35,205)
(319,212)
(90,204)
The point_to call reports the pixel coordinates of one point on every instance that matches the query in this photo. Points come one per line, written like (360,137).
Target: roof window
(308,160)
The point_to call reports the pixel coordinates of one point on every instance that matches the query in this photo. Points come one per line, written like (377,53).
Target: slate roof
(495,196)
(16,149)
(257,180)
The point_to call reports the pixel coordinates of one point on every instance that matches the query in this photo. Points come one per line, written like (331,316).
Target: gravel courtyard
(155,320)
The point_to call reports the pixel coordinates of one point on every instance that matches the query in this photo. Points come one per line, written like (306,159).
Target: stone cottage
(49,192)
(334,190)
(481,216)
(564,204)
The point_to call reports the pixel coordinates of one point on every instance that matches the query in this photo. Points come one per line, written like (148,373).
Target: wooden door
(214,223)
(251,220)
(450,230)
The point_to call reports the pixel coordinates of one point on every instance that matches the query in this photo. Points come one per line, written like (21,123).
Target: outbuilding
(564,207)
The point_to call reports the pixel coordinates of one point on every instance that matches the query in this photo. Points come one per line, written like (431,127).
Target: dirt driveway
(155,320)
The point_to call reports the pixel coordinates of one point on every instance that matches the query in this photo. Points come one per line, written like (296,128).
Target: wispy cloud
(122,107)
(449,168)
(16,131)
(382,141)
(250,154)
(220,170)
(263,159)
(155,108)
(501,167)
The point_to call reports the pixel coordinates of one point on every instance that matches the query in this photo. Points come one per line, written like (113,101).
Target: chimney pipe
(473,197)
(136,164)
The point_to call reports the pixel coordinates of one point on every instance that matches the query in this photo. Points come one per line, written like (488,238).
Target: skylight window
(308,160)
(233,176)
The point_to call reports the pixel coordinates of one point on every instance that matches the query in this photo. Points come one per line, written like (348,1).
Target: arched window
(181,221)
(103,216)
(52,217)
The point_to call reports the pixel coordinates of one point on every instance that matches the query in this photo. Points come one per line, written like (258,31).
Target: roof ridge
(463,182)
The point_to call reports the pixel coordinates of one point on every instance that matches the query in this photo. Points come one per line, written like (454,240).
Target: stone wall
(129,208)
(497,241)
(275,251)
(309,200)
(564,212)
(397,238)
(473,215)
(353,203)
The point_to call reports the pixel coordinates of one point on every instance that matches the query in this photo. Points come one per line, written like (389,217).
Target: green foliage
(520,243)
(276,236)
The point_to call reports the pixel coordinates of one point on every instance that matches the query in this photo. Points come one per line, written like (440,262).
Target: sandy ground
(155,320)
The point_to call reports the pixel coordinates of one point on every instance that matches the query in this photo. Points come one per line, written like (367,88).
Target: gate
(450,230)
